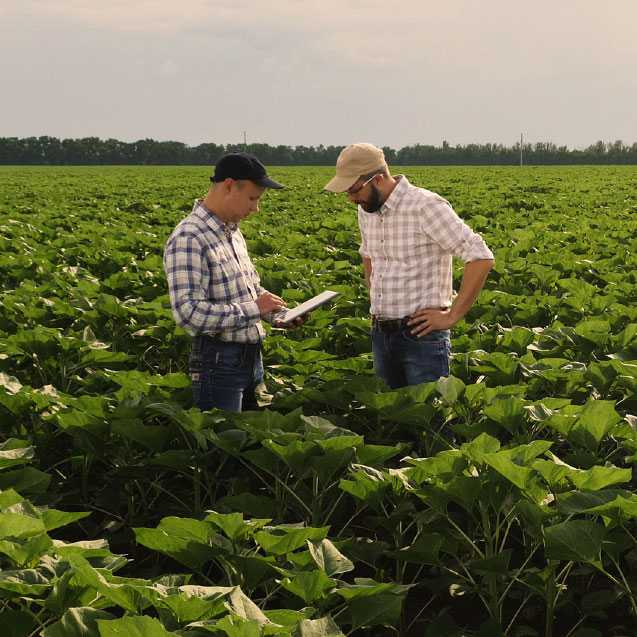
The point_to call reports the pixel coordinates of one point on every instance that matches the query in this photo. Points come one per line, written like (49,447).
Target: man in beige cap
(408,238)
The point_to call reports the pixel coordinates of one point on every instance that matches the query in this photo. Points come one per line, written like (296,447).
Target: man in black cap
(215,291)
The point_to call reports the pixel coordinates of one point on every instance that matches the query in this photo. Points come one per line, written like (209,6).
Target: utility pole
(521,145)
(245,141)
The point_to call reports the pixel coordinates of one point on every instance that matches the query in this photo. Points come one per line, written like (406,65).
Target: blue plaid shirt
(212,282)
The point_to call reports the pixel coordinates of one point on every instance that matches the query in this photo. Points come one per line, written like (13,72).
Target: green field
(499,501)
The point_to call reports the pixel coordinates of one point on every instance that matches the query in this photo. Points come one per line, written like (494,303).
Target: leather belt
(394,325)
(389,325)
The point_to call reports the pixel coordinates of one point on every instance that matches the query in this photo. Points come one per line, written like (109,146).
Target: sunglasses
(353,191)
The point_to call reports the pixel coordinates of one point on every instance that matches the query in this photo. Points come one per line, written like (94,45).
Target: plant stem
(550,601)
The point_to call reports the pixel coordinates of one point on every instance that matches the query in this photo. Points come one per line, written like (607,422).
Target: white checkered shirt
(410,242)
(212,287)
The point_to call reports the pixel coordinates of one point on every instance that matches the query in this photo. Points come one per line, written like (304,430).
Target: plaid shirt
(211,279)
(410,242)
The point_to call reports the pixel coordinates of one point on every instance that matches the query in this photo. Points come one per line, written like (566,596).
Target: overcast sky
(331,71)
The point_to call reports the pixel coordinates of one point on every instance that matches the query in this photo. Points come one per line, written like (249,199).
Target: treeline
(92,151)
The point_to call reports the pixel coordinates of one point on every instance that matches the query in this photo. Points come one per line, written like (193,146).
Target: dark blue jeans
(401,359)
(225,375)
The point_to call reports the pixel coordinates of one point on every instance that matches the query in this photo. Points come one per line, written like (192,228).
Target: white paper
(307,306)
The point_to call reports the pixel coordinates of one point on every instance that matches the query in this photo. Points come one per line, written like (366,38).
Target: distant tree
(92,150)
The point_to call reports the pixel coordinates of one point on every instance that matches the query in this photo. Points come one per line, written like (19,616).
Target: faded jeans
(401,359)
(225,375)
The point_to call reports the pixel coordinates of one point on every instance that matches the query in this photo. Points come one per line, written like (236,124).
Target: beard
(374,203)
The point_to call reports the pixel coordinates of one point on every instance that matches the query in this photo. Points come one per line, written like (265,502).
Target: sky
(300,72)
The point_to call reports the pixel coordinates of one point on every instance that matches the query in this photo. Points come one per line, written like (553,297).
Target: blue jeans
(401,359)
(225,375)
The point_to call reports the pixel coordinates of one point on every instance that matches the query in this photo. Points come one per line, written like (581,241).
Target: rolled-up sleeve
(187,271)
(452,234)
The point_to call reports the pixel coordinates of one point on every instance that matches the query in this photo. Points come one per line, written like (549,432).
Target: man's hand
(424,321)
(268,303)
(297,322)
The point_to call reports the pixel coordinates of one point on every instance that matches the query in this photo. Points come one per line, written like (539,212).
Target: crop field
(498,501)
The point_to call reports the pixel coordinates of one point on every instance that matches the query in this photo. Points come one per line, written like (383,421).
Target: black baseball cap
(243,166)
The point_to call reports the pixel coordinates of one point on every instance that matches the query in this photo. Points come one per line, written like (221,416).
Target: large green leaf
(190,603)
(26,551)
(377,455)
(338,452)
(235,626)
(366,484)
(450,389)
(443,465)
(77,622)
(28,481)
(296,454)
(595,331)
(287,618)
(29,582)
(478,447)
(10,384)
(328,558)
(281,540)
(508,412)
(612,503)
(576,540)
(243,606)
(462,489)
(139,626)
(188,541)
(600,477)
(122,592)
(104,358)
(557,473)
(573,502)
(86,548)
(596,420)
(382,609)
(20,525)
(365,588)
(232,524)
(53,519)
(310,586)
(9,498)
(621,508)
(15,452)
(524,454)
(323,627)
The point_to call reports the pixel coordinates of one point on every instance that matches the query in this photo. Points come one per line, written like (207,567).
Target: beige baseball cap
(354,161)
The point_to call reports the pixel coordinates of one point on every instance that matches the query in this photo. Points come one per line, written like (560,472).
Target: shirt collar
(211,219)
(399,191)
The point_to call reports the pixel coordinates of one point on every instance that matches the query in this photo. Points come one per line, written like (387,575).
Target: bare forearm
(473,278)
(367,267)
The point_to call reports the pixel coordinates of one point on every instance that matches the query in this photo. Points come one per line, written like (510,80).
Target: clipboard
(307,306)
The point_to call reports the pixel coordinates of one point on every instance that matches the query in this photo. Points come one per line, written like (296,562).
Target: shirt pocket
(219,263)
(405,243)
